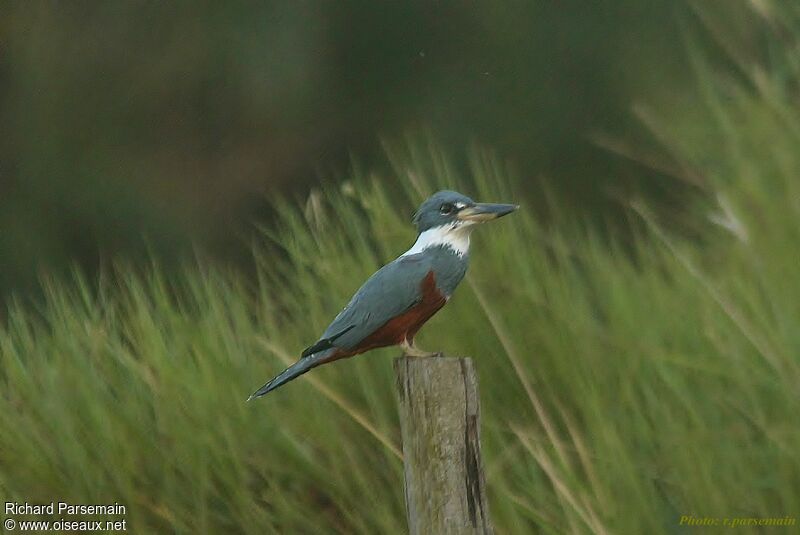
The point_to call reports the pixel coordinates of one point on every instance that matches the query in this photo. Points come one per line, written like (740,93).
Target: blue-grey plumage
(395,288)
(401,296)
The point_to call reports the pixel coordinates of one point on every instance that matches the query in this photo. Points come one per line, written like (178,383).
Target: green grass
(623,384)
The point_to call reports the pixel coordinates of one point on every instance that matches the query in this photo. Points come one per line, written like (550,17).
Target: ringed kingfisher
(400,297)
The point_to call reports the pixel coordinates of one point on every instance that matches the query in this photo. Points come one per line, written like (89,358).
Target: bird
(394,303)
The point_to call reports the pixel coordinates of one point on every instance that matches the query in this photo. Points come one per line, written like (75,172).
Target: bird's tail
(292,372)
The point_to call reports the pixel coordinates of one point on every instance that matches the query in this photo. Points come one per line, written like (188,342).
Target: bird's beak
(485,211)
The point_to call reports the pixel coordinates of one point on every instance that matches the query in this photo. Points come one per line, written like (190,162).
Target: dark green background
(133,128)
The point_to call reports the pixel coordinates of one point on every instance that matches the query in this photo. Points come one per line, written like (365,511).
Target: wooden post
(440,422)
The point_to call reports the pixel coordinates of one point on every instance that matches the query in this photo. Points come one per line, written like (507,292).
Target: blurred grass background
(637,355)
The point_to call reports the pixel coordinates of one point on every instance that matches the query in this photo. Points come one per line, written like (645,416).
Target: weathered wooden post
(440,422)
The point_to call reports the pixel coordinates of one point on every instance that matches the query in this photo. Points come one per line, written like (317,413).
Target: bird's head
(446,219)
(454,210)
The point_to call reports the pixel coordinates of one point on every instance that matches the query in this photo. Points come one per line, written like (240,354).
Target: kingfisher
(392,305)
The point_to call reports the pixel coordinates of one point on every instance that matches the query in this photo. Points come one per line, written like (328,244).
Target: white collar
(454,235)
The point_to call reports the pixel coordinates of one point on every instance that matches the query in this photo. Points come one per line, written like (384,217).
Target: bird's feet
(410,350)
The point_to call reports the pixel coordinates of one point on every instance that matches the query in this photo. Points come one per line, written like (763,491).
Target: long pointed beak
(485,211)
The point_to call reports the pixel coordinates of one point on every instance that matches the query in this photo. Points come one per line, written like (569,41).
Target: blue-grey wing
(389,292)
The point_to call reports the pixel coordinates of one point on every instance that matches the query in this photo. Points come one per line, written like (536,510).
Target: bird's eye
(446,208)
